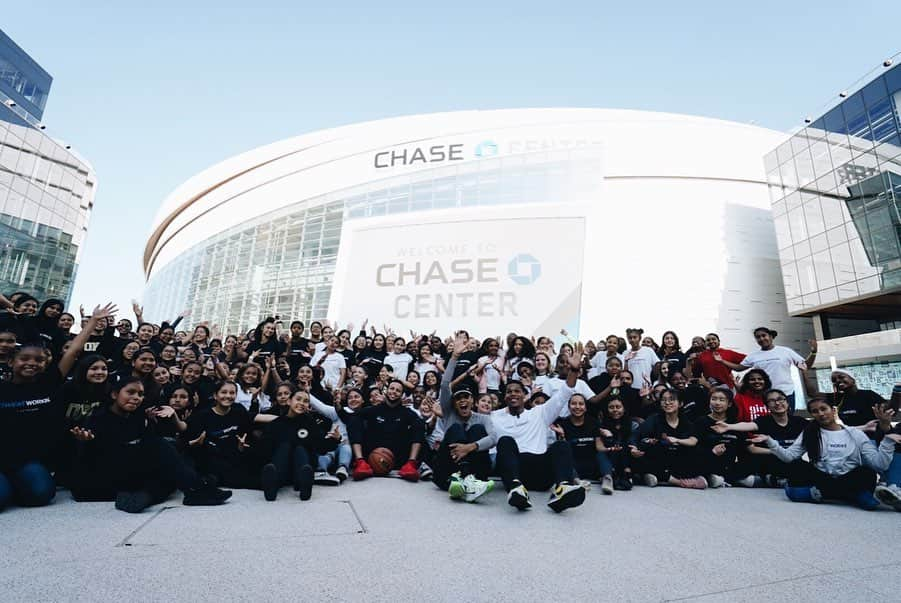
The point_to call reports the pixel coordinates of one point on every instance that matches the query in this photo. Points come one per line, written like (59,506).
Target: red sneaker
(362,470)
(409,472)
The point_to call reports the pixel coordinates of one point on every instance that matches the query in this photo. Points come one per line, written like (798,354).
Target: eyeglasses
(779,399)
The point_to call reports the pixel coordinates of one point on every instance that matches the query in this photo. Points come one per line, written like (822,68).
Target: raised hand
(106,311)
(164,412)
(199,440)
(461,341)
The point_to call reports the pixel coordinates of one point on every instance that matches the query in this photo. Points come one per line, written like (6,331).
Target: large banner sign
(488,275)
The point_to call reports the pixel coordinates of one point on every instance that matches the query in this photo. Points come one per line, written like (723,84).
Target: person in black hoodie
(295,441)
(31,418)
(46,323)
(122,459)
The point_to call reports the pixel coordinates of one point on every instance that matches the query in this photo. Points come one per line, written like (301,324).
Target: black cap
(465,391)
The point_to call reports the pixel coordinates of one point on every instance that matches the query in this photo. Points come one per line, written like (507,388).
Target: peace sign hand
(242,442)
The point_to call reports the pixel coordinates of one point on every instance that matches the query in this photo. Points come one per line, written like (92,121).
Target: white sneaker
(585,483)
(474,488)
(519,497)
(746,482)
(889,495)
(607,484)
(650,480)
(716,481)
(425,472)
(324,478)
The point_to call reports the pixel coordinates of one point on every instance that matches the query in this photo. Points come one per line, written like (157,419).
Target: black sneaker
(626,482)
(133,502)
(269,481)
(205,496)
(304,482)
(566,496)
(519,497)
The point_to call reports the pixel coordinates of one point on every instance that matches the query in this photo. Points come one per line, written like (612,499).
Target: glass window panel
(822,265)
(783,233)
(836,236)
(813,218)
(818,243)
(870,284)
(842,264)
(874,92)
(790,280)
(798,142)
(798,227)
(804,167)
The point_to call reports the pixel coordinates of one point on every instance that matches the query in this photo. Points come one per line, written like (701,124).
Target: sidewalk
(388,540)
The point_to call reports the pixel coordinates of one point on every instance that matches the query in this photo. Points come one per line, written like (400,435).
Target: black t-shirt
(630,397)
(114,434)
(222,431)
(106,344)
(203,387)
(675,360)
(307,430)
(857,408)
(656,426)
(6,371)
(30,419)
(707,438)
(395,428)
(371,361)
(297,352)
(695,401)
(621,436)
(273,346)
(580,437)
(786,435)
(80,402)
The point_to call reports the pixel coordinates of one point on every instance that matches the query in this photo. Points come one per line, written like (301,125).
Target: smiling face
(305,374)
(777,403)
(225,395)
(514,396)
(97,373)
(161,375)
(145,333)
(615,409)
(577,407)
(484,405)
(65,322)
(128,352)
(764,339)
(842,382)
(713,342)
(300,403)
(719,402)
(394,393)
(144,363)
(463,405)
(28,363)
(354,399)
(756,382)
(669,403)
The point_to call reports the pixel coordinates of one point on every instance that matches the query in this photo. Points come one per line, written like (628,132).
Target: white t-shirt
(332,366)
(599,363)
(244,399)
(530,428)
(400,363)
(424,367)
(641,363)
(777,363)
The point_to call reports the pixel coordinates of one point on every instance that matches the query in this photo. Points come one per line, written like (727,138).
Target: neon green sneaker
(456,490)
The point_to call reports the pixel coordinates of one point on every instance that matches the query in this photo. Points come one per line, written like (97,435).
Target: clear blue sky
(153,94)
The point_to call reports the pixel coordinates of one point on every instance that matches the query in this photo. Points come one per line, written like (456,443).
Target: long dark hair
(625,423)
(811,434)
(746,387)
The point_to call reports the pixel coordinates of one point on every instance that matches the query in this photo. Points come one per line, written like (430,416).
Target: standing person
(373,358)
(462,461)
(776,361)
(524,459)
(715,364)
(671,352)
(332,363)
(389,425)
(639,360)
(297,347)
(123,459)
(664,447)
(30,418)
(611,350)
(750,403)
(399,360)
(843,461)
(522,349)
(855,405)
(489,370)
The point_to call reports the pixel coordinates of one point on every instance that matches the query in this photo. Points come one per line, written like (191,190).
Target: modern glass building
(835,187)
(46,190)
(661,196)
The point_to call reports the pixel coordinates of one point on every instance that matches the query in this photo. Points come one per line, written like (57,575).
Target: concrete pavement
(388,540)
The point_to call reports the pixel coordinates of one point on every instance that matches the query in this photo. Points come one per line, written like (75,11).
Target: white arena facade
(526,220)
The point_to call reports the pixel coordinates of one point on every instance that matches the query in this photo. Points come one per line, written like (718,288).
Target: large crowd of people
(131,411)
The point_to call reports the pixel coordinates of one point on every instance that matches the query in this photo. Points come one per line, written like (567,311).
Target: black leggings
(535,471)
(842,487)
(725,465)
(664,463)
(289,460)
(476,463)
(152,465)
(240,471)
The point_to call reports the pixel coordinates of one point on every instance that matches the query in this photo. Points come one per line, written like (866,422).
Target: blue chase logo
(524,269)
(486,148)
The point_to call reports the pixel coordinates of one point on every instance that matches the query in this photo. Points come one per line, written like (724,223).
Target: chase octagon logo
(486,148)
(524,269)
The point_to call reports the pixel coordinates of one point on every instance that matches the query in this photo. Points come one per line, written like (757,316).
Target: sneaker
(425,472)
(585,483)
(649,480)
(304,482)
(206,495)
(751,481)
(324,478)
(409,472)
(866,501)
(474,488)
(623,483)
(889,495)
(341,473)
(362,470)
(695,483)
(716,481)
(133,502)
(607,484)
(807,494)
(566,496)
(519,497)
(455,488)
(269,481)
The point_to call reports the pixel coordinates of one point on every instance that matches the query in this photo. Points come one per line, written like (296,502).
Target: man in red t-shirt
(718,363)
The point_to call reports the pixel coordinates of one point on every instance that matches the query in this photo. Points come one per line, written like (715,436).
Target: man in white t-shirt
(776,361)
(332,363)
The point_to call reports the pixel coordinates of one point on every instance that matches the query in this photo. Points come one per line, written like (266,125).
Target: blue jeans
(893,473)
(342,455)
(29,486)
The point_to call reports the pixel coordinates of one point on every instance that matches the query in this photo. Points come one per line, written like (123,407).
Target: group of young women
(132,414)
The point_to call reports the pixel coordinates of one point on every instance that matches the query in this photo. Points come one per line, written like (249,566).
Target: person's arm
(139,312)
(341,377)
(68,359)
(553,407)
(220,368)
(730,365)
(875,458)
(786,455)
(323,409)
(744,426)
(447,379)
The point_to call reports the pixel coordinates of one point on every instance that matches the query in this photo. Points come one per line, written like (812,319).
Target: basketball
(381,460)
